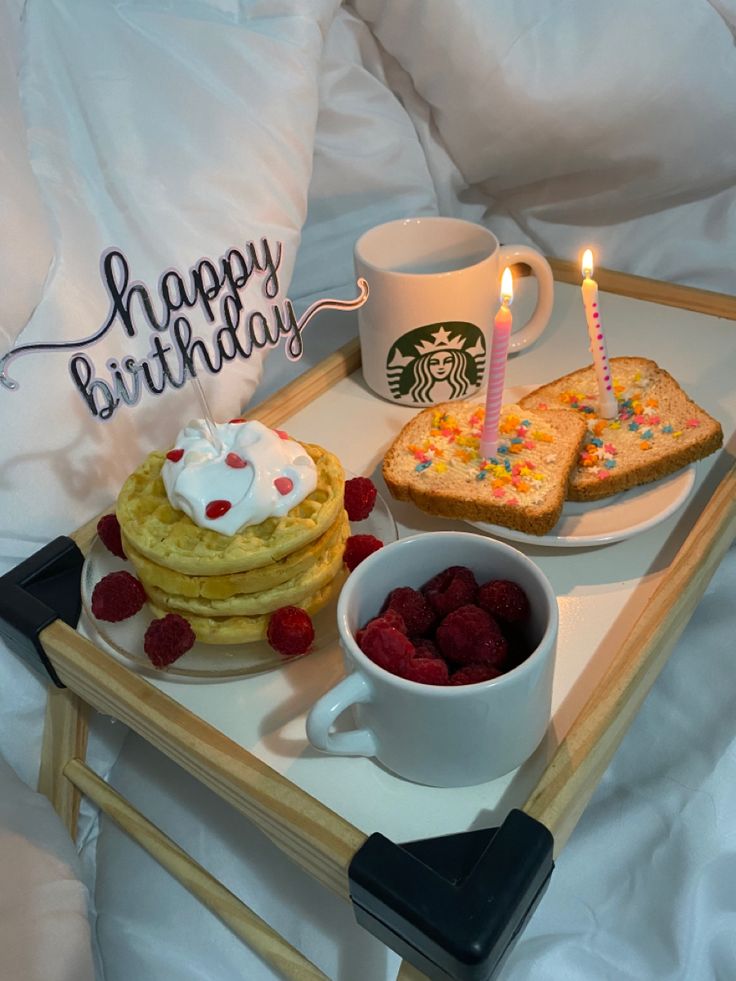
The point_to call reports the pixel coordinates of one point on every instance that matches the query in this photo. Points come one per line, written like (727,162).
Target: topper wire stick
(208,418)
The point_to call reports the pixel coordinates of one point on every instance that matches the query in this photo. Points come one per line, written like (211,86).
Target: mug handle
(324,712)
(508,256)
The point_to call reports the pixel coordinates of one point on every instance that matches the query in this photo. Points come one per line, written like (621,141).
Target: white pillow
(171,132)
(563,119)
(26,248)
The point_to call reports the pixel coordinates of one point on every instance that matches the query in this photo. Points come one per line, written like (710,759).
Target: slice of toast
(434,462)
(658,429)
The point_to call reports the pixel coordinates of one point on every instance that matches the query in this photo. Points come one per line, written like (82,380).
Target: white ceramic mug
(434,284)
(450,736)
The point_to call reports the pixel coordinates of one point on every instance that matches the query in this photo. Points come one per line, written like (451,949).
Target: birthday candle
(502,325)
(607,403)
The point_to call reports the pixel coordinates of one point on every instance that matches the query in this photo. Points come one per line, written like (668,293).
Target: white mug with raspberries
(449,640)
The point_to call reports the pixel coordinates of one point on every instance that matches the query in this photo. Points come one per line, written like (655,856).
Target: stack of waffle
(227,587)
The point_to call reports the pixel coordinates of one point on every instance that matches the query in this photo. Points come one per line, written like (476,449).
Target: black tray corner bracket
(42,588)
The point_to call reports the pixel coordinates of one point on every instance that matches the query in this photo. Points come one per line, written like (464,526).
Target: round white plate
(611,520)
(602,522)
(206,662)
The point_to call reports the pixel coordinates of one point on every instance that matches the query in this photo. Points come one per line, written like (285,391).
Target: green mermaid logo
(437,363)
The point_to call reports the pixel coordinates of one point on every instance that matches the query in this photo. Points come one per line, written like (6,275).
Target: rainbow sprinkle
(454,445)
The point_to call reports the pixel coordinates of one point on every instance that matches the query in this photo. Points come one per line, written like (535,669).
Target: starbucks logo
(437,362)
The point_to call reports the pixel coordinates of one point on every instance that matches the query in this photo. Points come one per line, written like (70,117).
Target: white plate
(602,522)
(206,662)
(610,520)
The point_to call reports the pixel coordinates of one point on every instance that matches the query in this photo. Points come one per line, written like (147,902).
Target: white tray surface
(595,587)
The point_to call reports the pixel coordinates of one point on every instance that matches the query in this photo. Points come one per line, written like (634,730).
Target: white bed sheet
(44,925)
(462,108)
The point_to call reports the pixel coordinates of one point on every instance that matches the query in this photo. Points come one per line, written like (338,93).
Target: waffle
(245,629)
(290,593)
(169,538)
(222,587)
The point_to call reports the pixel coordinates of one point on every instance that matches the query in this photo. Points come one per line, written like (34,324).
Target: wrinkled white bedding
(44,926)
(177,131)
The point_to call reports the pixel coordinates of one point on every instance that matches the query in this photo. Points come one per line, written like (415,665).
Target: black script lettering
(116,276)
(158,353)
(206,293)
(233,349)
(120,388)
(237,280)
(271,282)
(187,347)
(259,333)
(180,298)
(232,307)
(295,346)
(138,368)
(82,372)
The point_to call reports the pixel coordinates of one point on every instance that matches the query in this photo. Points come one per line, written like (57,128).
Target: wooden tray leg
(64,738)
(407,972)
(244,923)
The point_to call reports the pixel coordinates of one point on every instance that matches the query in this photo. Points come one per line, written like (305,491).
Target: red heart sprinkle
(281,434)
(236,420)
(175,455)
(216,509)
(235,461)
(284,485)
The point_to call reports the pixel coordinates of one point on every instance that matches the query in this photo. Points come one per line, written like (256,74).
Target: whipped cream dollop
(253,474)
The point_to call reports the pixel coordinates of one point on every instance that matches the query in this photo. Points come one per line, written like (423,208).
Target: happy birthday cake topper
(213,290)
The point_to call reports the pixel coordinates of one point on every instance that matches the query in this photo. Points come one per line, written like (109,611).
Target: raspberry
(426,670)
(117,596)
(450,589)
(388,619)
(395,619)
(414,609)
(426,648)
(167,639)
(469,635)
(504,599)
(290,631)
(386,646)
(471,674)
(108,528)
(360,496)
(359,547)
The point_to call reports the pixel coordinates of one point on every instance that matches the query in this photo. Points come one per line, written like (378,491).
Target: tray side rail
(568,782)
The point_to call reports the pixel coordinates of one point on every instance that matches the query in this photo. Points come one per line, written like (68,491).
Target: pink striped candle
(497,368)
(607,402)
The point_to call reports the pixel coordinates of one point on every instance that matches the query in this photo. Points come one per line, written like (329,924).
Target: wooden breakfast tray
(641,591)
